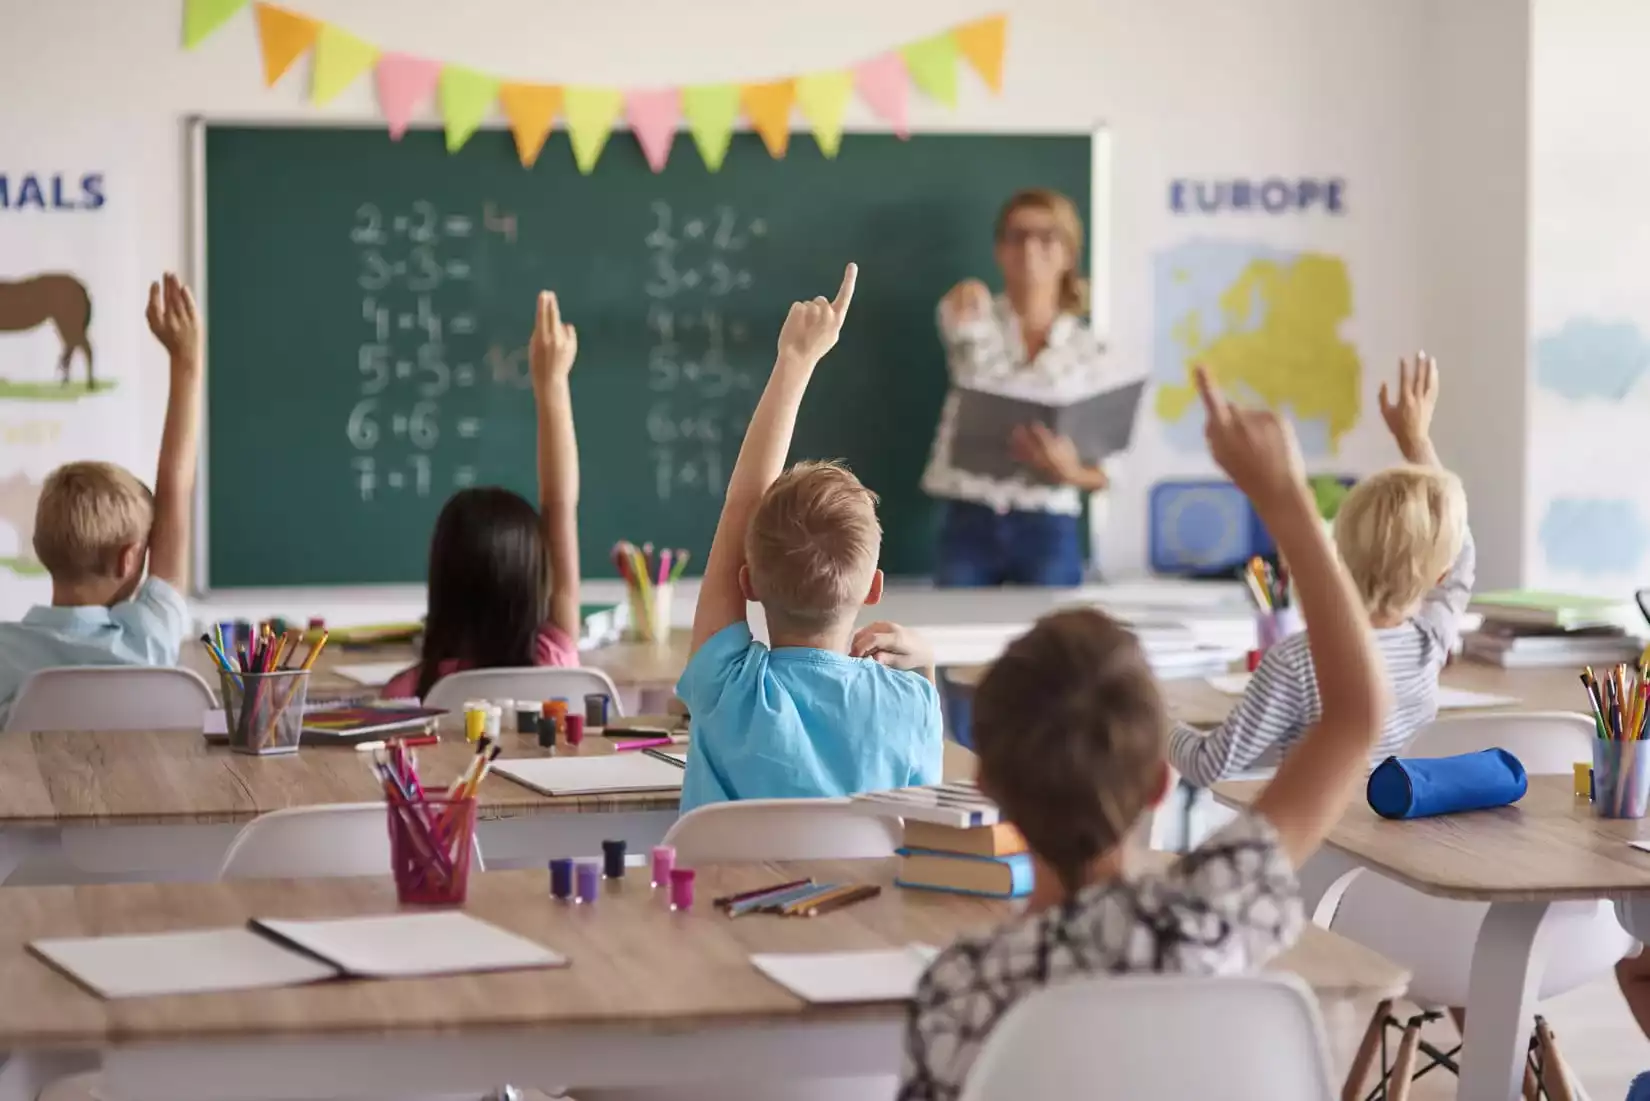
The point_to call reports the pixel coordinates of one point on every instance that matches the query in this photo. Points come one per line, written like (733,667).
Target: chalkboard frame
(1098,219)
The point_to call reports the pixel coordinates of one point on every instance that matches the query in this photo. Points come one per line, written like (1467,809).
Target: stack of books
(955,841)
(1529,629)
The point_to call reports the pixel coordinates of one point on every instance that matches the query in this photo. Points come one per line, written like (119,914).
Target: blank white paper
(826,978)
(618,772)
(180,963)
(404,945)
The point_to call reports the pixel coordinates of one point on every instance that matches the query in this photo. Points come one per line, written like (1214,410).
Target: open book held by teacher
(1100,423)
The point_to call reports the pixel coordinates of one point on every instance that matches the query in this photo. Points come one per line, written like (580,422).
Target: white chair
(1434,937)
(110,697)
(782,829)
(336,839)
(1258,1038)
(544,682)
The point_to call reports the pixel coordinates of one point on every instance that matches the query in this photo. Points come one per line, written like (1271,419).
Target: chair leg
(1368,1049)
(1403,1064)
(1555,1073)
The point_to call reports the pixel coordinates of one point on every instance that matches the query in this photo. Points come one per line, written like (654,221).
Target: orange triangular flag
(285,36)
(768,106)
(982,43)
(531,109)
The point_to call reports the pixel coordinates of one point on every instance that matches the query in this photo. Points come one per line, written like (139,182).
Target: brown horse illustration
(56,297)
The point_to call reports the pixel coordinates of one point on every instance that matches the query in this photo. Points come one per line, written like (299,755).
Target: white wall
(1188,88)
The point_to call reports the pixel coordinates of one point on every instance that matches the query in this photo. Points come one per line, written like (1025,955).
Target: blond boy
(96,525)
(821,710)
(1403,536)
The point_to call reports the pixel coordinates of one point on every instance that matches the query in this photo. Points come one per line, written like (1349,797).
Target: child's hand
(1255,447)
(892,645)
(965,302)
(811,328)
(175,321)
(1409,419)
(554,345)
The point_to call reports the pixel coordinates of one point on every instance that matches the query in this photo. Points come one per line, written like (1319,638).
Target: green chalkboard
(369,304)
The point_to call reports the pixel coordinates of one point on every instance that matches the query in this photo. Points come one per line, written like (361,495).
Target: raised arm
(176,323)
(554,347)
(1314,783)
(810,331)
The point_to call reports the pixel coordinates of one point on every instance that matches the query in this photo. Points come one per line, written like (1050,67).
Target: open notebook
(606,775)
(269,953)
(825,978)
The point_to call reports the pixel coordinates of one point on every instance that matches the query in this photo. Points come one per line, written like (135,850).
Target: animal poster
(71,326)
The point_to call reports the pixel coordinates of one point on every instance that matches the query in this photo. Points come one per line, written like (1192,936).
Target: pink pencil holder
(430,845)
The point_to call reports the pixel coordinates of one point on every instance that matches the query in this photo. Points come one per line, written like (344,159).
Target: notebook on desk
(613,774)
(272,953)
(835,978)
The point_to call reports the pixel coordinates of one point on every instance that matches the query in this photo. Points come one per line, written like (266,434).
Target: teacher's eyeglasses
(1018,237)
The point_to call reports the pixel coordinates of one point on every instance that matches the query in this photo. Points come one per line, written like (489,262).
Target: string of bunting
(466,97)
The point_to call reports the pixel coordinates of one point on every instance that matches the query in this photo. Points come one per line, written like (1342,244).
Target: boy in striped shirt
(1403,536)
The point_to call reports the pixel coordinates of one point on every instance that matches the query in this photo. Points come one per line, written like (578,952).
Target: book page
(179,963)
(826,978)
(618,772)
(403,945)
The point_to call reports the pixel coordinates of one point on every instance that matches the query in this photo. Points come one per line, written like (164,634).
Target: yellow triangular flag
(932,64)
(340,58)
(981,43)
(823,98)
(591,113)
(284,36)
(531,109)
(768,106)
(710,111)
(466,97)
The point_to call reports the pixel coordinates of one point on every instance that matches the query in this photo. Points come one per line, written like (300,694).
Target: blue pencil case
(1419,787)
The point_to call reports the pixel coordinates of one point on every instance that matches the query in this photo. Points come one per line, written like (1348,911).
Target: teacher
(1031,342)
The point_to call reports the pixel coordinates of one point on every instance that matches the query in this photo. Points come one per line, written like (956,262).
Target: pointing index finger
(845,294)
(555,310)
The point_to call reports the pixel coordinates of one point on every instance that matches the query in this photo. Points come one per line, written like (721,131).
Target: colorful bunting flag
(340,58)
(405,84)
(284,36)
(823,98)
(768,106)
(982,43)
(653,118)
(466,97)
(591,113)
(881,82)
(531,109)
(933,66)
(202,17)
(710,111)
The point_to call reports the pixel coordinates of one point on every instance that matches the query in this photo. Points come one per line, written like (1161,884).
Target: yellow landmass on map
(1279,343)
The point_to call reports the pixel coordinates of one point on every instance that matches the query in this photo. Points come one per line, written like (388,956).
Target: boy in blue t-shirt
(824,711)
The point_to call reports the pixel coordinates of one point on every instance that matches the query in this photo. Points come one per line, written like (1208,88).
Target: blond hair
(86,514)
(1074,289)
(1398,531)
(812,545)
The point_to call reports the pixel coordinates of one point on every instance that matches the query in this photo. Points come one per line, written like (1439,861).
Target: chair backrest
(1549,743)
(535,683)
(782,829)
(332,839)
(1259,1039)
(111,697)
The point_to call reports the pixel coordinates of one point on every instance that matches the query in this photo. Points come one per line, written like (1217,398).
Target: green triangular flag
(590,115)
(202,17)
(340,57)
(933,67)
(710,111)
(466,97)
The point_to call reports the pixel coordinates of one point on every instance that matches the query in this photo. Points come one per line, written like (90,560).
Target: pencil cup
(650,613)
(265,711)
(1621,778)
(431,840)
(1273,627)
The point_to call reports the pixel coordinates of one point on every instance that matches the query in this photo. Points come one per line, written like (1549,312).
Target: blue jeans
(980,548)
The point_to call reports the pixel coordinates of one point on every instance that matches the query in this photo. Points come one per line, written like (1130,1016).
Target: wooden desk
(651,997)
(1194,701)
(1546,848)
(165,805)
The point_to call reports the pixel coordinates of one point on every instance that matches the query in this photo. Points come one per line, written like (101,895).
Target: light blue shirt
(798,723)
(145,630)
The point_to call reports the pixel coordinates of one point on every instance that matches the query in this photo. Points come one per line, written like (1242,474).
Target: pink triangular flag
(405,83)
(881,83)
(653,117)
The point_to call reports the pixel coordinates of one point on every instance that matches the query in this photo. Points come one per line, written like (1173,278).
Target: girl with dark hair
(504,579)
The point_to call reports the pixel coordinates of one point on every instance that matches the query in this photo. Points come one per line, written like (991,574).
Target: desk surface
(171,777)
(1194,701)
(1548,846)
(634,963)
